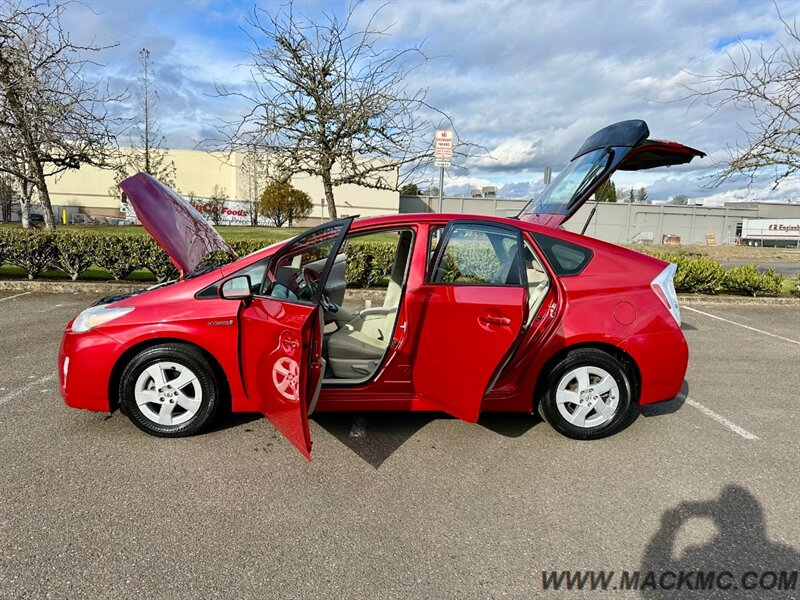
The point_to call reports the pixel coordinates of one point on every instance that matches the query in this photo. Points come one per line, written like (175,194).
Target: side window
(566,258)
(479,254)
(295,272)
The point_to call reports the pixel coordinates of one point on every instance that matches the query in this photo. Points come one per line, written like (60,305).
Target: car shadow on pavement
(512,425)
(665,408)
(376,436)
(230,420)
(742,560)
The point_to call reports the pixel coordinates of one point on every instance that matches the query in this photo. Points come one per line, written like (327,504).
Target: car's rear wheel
(587,395)
(169,390)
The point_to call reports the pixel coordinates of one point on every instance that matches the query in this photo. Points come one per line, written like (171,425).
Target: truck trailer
(774,233)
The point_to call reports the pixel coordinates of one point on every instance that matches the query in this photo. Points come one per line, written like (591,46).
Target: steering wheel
(311,279)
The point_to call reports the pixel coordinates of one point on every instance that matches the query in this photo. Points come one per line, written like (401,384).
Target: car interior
(356,340)
(356,337)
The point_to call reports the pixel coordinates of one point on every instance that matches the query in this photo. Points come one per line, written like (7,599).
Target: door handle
(494,320)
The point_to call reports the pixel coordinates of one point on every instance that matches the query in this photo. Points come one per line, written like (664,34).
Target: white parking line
(14,296)
(780,337)
(26,388)
(722,420)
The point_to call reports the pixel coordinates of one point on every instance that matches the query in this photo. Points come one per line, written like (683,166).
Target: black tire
(184,357)
(594,359)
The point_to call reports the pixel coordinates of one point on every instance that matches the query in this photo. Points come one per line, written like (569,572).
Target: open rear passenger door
(474,307)
(281,331)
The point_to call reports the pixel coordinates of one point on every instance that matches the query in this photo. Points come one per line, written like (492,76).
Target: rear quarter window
(565,258)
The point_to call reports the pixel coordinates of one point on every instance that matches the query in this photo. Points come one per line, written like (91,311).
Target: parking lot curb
(72,287)
(701,300)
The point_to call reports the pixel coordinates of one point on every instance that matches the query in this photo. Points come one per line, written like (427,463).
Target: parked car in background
(479,314)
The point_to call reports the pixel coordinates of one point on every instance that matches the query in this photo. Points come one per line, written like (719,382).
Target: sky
(529,81)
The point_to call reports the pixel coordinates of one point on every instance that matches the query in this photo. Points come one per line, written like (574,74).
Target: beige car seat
(355,350)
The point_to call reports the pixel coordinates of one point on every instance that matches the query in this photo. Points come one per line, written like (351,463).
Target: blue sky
(527,80)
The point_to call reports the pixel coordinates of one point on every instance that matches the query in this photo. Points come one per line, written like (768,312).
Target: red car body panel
(464,349)
(174,223)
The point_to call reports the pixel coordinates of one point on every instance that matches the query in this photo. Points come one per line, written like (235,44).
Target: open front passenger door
(281,331)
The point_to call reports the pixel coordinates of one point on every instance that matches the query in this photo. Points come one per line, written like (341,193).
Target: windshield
(573,182)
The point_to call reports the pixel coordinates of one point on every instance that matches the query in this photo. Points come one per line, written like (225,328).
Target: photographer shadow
(739,547)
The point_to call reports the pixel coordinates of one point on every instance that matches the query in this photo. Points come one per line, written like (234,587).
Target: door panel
(466,334)
(473,309)
(276,372)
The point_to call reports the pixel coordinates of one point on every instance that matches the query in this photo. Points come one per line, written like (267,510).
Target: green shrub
(75,252)
(748,280)
(245,247)
(369,262)
(698,275)
(121,255)
(34,251)
(155,260)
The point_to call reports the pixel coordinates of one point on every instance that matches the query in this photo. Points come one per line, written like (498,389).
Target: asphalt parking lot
(400,506)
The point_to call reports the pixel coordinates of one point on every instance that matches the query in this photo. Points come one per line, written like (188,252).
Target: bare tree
(7,194)
(258,172)
(331,101)
(51,117)
(679,200)
(214,207)
(147,150)
(766,82)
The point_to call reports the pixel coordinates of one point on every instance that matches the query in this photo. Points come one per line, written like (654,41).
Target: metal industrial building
(624,223)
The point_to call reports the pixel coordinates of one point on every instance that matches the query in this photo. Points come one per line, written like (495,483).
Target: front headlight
(96,316)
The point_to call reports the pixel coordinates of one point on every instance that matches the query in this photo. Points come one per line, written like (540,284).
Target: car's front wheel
(587,395)
(169,390)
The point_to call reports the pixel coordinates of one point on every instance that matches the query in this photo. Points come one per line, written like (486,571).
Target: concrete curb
(72,287)
(120,287)
(701,300)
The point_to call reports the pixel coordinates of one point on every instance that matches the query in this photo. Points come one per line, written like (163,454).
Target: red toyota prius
(478,314)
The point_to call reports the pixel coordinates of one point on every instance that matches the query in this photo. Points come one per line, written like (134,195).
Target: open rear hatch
(622,146)
(174,223)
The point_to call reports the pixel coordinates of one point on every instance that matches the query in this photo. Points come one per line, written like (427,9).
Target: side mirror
(236,288)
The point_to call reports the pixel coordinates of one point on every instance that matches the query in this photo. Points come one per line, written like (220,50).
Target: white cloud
(529,81)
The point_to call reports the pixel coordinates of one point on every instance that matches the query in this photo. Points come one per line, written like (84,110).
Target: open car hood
(622,146)
(174,223)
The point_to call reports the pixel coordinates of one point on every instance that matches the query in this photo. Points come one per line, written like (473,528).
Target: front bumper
(85,363)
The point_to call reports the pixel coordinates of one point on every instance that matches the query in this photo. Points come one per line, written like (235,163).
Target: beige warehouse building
(88,190)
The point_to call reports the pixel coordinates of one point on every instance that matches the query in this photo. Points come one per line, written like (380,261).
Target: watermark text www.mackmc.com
(604,580)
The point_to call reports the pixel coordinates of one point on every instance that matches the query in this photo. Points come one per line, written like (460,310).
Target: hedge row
(36,251)
(702,275)
(368,262)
